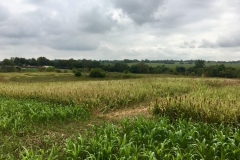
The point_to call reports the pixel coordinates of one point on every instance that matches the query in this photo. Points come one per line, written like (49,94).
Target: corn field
(192,118)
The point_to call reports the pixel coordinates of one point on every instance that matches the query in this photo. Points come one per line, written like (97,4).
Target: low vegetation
(150,140)
(188,118)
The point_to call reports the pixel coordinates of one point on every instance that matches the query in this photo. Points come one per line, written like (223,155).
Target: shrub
(78,74)
(50,69)
(126,71)
(58,71)
(126,76)
(41,69)
(97,73)
(74,70)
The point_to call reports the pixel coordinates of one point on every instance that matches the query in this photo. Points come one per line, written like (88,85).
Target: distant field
(59,116)
(236,65)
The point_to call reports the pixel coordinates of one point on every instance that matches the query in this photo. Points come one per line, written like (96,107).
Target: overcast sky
(120,29)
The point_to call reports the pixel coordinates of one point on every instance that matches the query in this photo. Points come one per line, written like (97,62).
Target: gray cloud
(96,21)
(176,14)
(140,11)
(232,40)
(208,44)
(4,13)
(227,41)
(49,27)
(72,42)
(191,44)
(120,29)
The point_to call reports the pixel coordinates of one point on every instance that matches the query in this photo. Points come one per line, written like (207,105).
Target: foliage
(200,64)
(139,68)
(151,139)
(7,69)
(126,72)
(198,118)
(214,101)
(78,74)
(22,115)
(187,67)
(97,73)
(120,67)
(104,95)
(222,71)
(7,62)
(58,71)
(50,69)
(41,69)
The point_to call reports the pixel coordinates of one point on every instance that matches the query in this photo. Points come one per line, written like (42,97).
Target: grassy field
(187,65)
(59,116)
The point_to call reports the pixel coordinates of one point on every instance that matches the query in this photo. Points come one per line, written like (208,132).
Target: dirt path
(120,114)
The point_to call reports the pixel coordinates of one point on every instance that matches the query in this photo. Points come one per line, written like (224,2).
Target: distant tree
(95,64)
(7,62)
(159,69)
(200,64)
(97,73)
(86,63)
(42,61)
(180,69)
(120,67)
(140,67)
(32,62)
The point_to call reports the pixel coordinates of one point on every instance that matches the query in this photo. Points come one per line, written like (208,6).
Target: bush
(58,71)
(74,70)
(50,69)
(97,73)
(126,76)
(41,69)
(78,74)
(126,71)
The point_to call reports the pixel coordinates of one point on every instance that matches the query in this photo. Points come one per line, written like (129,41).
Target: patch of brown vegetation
(121,114)
(231,82)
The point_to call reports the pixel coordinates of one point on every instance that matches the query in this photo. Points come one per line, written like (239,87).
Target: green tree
(200,64)
(7,62)
(120,67)
(42,61)
(140,68)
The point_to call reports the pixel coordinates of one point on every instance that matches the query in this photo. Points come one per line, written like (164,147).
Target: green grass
(23,115)
(186,65)
(150,140)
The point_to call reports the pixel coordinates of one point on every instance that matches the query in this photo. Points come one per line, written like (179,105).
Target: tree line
(199,68)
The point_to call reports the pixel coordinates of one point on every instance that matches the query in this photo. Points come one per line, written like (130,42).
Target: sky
(120,29)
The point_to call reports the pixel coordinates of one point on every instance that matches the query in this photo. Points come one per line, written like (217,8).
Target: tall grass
(103,95)
(213,101)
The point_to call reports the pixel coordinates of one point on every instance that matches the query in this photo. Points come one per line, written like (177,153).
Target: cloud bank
(137,29)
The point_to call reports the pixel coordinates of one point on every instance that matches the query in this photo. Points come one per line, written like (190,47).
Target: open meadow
(59,116)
